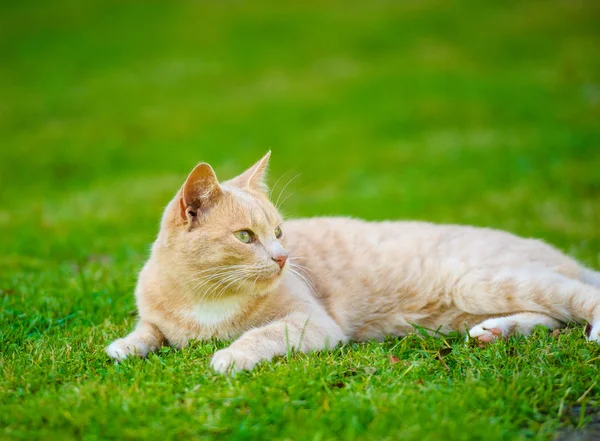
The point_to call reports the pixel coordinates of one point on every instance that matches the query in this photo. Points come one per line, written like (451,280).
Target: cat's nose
(280,260)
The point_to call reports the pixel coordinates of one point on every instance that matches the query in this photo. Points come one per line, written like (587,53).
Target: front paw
(122,348)
(232,360)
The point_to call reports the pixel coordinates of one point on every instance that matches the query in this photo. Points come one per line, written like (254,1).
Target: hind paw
(484,335)
(595,334)
(490,330)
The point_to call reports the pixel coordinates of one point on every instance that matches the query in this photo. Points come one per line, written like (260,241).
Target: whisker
(283,189)
(216,280)
(303,268)
(279,179)
(303,278)
(224,289)
(222,281)
(287,197)
(217,268)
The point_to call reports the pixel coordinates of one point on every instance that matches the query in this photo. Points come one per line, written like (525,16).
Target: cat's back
(337,235)
(345,253)
(341,245)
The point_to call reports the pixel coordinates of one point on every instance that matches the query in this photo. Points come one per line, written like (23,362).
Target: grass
(468,112)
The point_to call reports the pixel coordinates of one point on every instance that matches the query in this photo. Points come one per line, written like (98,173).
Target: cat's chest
(223,319)
(203,321)
(214,313)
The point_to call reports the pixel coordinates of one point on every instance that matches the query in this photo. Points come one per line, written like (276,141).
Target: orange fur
(344,279)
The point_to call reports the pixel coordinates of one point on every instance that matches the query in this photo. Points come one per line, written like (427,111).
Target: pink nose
(280,260)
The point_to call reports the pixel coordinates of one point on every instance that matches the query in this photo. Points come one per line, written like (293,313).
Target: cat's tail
(590,277)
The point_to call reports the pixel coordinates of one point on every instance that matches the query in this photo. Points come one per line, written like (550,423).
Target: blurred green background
(463,112)
(485,113)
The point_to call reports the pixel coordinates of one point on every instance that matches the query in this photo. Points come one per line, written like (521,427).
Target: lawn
(483,113)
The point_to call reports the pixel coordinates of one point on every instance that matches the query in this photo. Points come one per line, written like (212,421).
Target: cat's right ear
(200,191)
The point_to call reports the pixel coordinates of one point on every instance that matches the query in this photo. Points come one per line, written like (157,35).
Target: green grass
(470,112)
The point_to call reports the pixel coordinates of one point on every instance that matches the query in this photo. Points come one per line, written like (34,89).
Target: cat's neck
(212,312)
(239,306)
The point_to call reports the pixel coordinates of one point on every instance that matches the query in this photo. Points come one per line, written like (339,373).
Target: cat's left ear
(256,176)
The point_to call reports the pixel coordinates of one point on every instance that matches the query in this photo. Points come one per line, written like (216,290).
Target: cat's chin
(268,282)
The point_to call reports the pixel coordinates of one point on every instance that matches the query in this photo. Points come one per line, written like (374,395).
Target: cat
(226,266)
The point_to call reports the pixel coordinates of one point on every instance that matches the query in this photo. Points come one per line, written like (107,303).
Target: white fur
(125,347)
(232,360)
(214,312)
(595,334)
(522,324)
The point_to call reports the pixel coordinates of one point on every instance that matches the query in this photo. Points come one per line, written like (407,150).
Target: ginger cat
(225,265)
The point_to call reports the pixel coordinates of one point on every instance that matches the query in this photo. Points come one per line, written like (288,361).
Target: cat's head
(225,237)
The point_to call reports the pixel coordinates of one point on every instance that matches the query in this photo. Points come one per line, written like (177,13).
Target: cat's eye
(278,233)
(244,236)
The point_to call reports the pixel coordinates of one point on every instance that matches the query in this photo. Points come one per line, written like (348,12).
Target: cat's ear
(200,191)
(256,176)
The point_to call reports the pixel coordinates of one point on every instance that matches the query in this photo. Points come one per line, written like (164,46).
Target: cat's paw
(230,361)
(490,330)
(595,334)
(122,348)
(484,335)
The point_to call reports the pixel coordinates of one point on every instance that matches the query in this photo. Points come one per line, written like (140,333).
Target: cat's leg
(521,323)
(298,330)
(569,300)
(545,292)
(144,339)
(585,300)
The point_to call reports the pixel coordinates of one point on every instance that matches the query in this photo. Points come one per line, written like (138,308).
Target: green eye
(278,232)
(244,236)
